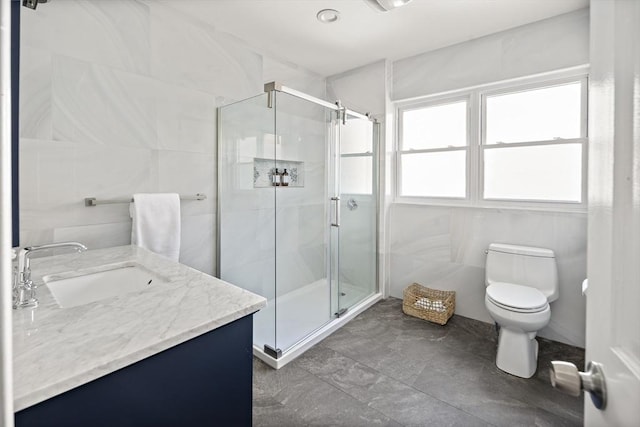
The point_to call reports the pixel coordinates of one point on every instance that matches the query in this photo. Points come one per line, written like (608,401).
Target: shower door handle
(336,221)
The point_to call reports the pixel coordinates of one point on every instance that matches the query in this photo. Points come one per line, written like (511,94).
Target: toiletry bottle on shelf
(285,178)
(275,177)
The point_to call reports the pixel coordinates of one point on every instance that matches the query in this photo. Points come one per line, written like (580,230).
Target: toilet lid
(516,297)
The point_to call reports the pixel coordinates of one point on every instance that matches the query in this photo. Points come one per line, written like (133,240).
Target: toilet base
(517,352)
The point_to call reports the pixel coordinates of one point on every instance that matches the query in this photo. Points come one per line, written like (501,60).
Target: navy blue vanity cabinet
(206,381)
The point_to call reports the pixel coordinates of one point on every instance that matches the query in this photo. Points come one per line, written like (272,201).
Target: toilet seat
(516,298)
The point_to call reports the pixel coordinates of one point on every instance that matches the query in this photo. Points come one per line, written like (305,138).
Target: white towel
(156,223)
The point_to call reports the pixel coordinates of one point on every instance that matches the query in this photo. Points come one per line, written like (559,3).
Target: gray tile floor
(389,369)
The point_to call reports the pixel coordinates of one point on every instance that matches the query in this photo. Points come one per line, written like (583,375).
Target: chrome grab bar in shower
(336,222)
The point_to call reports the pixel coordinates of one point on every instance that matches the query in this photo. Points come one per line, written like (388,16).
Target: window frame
(434,102)
(476,135)
(372,154)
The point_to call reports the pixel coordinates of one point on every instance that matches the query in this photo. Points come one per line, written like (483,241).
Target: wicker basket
(429,304)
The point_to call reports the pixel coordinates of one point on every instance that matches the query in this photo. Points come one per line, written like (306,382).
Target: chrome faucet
(24,291)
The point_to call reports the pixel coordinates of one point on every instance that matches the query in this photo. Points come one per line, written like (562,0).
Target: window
(433,150)
(532,148)
(356,156)
(523,145)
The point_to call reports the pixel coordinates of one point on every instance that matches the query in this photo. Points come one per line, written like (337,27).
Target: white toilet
(521,282)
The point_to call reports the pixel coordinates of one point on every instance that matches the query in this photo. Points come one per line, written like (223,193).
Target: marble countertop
(57,349)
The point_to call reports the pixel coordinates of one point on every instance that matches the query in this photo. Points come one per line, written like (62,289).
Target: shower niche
(265,169)
(298,245)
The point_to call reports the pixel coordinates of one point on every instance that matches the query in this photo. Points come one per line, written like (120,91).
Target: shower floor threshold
(317,336)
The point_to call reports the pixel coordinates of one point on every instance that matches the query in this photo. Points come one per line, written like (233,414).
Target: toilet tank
(523,265)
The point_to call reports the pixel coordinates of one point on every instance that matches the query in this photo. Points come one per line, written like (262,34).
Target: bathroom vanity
(178,352)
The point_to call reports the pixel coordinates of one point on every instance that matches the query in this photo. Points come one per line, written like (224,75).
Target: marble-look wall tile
(56,176)
(198,57)
(186,119)
(452,67)
(120,97)
(35,93)
(188,173)
(96,236)
(46,172)
(361,89)
(113,33)
(542,46)
(93,104)
(120,171)
(38,236)
(443,248)
(554,43)
(197,236)
(246,236)
(293,76)
(358,241)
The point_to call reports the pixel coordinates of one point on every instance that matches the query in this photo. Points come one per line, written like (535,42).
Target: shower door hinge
(276,353)
(270,88)
(270,99)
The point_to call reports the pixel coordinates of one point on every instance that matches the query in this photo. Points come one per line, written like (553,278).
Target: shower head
(32,4)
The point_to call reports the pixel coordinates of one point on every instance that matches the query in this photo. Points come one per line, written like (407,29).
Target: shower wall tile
(294,270)
(357,241)
(35,93)
(198,57)
(256,276)
(247,236)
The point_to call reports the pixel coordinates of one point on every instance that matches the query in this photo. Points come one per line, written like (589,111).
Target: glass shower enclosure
(297,197)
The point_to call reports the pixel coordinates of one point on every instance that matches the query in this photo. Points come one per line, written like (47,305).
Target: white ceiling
(288,29)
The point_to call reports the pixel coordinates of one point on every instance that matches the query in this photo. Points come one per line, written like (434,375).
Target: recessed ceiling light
(386,5)
(328,16)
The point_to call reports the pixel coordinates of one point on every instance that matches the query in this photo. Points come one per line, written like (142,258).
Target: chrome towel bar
(92,201)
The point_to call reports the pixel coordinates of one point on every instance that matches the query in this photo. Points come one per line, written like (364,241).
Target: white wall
(119,97)
(444,247)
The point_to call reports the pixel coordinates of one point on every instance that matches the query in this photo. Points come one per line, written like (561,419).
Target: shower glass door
(297,212)
(247,146)
(302,268)
(357,241)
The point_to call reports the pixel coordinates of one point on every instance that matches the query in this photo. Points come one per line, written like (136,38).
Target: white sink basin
(82,287)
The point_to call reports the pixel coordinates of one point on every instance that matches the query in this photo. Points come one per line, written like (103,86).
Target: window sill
(575,209)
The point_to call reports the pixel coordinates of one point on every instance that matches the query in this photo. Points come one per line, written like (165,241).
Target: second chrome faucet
(24,291)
